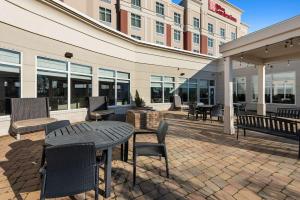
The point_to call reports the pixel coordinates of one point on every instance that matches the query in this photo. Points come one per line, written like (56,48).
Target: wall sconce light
(291,43)
(289,63)
(267,49)
(68,55)
(182,74)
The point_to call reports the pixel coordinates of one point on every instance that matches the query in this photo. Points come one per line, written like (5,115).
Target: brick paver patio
(204,164)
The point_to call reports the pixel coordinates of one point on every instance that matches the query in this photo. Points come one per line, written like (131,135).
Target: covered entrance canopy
(279,42)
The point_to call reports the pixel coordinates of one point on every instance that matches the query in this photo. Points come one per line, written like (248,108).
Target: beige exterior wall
(91,44)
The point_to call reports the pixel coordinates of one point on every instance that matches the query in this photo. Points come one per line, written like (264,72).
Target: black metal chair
(193,110)
(151,149)
(51,127)
(70,169)
(217,111)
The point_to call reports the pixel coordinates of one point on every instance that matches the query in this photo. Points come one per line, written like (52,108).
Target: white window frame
(163,81)
(136,19)
(210,42)
(196,38)
(160,25)
(177,33)
(177,17)
(160,9)
(210,28)
(136,3)
(196,23)
(105,15)
(116,84)
(68,72)
(223,33)
(233,35)
(20,73)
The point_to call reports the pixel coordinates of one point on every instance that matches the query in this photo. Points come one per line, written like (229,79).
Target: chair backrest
(216,110)
(162,131)
(29,108)
(70,169)
(56,125)
(192,108)
(177,101)
(97,103)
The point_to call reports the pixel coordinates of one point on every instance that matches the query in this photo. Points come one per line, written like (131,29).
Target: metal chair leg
(122,152)
(134,166)
(167,164)
(237,133)
(126,151)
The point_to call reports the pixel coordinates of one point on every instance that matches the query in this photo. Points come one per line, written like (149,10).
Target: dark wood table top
(105,134)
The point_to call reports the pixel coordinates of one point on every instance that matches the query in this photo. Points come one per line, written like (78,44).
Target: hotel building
(69,50)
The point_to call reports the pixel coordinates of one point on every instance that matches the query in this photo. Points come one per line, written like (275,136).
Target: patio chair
(98,108)
(217,111)
(151,149)
(52,127)
(178,103)
(70,169)
(193,111)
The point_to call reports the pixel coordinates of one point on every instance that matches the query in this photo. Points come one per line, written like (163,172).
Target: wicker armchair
(70,169)
(98,108)
(151,149)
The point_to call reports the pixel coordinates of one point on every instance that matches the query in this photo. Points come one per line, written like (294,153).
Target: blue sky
(261,13)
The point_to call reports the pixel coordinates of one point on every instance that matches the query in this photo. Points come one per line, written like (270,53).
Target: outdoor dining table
(203,109)
(105,134)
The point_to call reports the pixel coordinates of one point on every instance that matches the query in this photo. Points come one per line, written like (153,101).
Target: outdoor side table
(105,134)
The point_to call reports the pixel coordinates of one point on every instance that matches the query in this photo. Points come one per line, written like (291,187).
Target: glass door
(212,95)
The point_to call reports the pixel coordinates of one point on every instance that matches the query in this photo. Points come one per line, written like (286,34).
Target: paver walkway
(204,164)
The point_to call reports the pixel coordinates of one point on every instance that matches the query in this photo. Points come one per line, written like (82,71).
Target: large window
(162,89)
(135,20)
(10,63)
(187,90)
(105,15)
(177,18)
(176,35)
(279,88)
(160,8)
(52,82)
(196,38)
(81,85)
(115,85)
(136,3)
(196,22)
(239,89)
(210,28)
(160,28)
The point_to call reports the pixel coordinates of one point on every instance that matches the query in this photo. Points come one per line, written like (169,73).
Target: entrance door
(211,93)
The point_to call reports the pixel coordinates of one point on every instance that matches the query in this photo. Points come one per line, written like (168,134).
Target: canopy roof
(280,41)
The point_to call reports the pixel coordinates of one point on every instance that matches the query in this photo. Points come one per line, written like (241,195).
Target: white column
(228,97)
(261,105)
(95,82)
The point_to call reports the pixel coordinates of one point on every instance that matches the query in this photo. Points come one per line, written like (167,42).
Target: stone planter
(143,119)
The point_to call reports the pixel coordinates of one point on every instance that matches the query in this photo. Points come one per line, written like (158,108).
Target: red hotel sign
(213,6)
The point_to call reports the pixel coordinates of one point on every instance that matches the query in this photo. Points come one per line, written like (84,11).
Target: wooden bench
(280,127)
(28,115)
